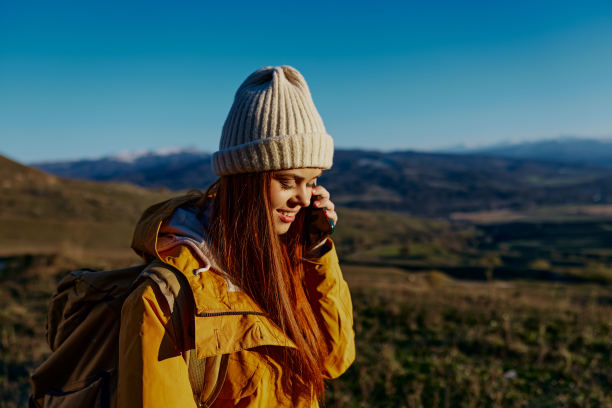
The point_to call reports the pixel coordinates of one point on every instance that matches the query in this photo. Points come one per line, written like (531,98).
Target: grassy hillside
(40,213)
(423,339)
(434,324)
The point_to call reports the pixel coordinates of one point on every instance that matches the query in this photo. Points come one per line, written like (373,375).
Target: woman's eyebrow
(298,178)
(295,176)
(284,176)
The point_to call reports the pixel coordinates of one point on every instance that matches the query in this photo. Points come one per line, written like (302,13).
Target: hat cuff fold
(314,150)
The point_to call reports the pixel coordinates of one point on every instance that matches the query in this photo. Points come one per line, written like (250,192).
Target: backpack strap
(167,278)
(207,375)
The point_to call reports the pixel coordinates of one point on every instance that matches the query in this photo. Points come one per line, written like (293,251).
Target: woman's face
(290,190)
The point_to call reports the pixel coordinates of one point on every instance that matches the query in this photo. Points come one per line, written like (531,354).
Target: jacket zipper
(230,313)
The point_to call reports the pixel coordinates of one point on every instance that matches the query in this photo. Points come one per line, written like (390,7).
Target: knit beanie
(273,125)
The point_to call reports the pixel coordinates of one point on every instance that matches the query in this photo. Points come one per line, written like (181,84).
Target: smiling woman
(290,190)
(269,318)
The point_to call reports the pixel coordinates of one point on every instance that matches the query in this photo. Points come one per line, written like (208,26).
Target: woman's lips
(286,216)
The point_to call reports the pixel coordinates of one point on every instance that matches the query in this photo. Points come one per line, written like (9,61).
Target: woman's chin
(282,228)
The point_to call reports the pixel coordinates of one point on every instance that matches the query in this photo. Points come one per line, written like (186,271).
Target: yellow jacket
(161,342)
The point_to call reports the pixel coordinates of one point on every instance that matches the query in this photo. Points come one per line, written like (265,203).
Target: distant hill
(166,168)
(424,184)
(442,184)
(569,149)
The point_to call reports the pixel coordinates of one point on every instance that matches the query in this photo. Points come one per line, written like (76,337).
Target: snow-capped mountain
(153,168)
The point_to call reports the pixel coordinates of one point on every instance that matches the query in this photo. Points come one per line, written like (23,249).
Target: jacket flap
(229,333)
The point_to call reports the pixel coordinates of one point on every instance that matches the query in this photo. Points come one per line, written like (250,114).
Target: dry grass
(426,342)
(423,339)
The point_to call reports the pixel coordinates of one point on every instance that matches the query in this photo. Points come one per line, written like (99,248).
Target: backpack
(83,324)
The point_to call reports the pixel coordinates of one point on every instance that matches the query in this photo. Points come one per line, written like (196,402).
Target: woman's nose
(303,196)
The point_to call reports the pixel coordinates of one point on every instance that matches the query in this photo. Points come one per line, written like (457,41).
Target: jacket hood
(178,221)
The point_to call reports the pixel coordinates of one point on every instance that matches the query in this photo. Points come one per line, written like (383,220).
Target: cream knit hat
(273,125)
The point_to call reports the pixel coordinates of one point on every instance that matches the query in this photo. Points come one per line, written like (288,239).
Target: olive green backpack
(83,324)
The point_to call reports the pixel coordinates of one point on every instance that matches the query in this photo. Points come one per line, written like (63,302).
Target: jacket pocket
(95,393)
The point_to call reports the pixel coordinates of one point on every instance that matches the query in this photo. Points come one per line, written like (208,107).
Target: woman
(268,319)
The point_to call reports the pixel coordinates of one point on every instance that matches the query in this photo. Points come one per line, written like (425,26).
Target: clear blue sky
(90,78)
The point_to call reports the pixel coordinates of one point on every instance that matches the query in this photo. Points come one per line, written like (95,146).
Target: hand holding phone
(317,225)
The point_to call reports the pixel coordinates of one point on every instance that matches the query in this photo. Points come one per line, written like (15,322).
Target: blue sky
(91,78)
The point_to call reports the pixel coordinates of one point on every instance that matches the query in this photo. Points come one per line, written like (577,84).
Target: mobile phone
(317,226)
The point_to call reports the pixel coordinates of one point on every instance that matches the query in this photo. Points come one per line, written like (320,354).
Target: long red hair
(269,268)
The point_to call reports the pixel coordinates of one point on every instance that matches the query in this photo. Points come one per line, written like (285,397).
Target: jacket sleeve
(152,373)
(331,301)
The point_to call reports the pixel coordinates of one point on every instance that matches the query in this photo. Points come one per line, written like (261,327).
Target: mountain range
(424,184)
(570,149)
(170,168)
